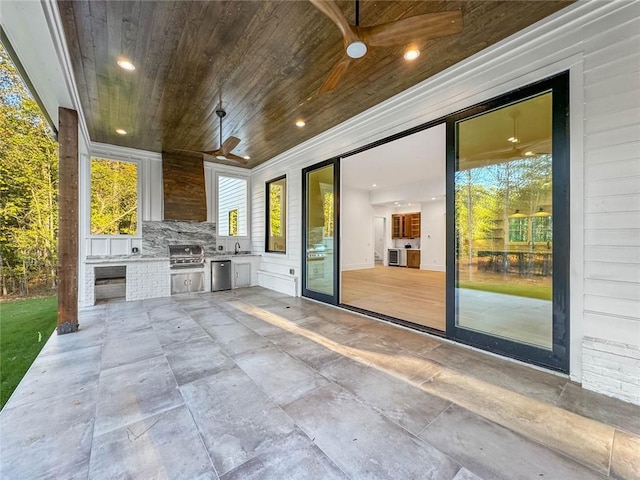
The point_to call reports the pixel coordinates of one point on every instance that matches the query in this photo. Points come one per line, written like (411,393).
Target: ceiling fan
(224,150)
(357,39)
(518,150)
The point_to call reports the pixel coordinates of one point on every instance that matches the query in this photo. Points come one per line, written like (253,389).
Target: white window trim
(247,179)
(270,253)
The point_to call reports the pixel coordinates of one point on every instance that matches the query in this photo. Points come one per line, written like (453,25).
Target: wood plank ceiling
(267,59)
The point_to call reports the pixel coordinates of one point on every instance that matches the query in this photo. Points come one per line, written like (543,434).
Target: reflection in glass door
(320,227)
(510,289)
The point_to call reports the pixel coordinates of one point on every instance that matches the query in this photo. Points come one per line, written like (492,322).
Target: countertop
(94,259)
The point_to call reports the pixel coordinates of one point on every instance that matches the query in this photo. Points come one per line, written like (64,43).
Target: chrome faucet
(237,248)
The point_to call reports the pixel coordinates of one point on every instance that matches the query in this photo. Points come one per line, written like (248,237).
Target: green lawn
(542,292)
(25,326)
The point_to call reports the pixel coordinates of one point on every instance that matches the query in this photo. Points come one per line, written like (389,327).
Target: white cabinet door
(241,275)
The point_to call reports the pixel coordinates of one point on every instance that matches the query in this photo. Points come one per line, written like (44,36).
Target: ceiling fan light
(411,54)
(121,131)
(247,157)
(220,157)
(542,213)
(356,49)
(300,123)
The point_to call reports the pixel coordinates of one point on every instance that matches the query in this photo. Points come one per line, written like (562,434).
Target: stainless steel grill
(186,256)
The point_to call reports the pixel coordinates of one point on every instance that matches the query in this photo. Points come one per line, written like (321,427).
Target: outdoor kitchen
(173,258)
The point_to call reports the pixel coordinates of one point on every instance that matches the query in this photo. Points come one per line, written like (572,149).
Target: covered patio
(250,383)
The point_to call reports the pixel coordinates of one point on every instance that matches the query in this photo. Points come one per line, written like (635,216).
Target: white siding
(612,177)
(611,347)
(599,43)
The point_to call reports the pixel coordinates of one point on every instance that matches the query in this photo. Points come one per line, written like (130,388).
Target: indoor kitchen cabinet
(413,258)
(405,225)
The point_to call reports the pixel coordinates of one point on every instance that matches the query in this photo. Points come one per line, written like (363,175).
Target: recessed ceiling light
(411,54)
(127,65)
(247,157)
(529,153)
(374,185)
(512,140)
(408,204)
(121,131)
(300,123)
(397,203)
(433,198)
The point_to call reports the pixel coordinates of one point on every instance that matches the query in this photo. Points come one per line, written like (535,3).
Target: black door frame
(558,357)
(331,299)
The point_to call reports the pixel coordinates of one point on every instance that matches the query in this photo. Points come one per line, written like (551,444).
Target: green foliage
(233,222)
(275,203)
(114,197)
(25,326)
(542,292)
(28,187)
(327,201)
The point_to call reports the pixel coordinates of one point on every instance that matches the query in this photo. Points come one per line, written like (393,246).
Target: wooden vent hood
(185,196)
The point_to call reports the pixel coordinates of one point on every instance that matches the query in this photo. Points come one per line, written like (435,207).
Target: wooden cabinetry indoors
(405,225)
(413,258)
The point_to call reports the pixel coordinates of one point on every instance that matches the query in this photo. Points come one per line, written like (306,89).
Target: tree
(275,202)
(114,197)
(28,187)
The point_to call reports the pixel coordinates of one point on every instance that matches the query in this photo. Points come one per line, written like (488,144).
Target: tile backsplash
(157,236)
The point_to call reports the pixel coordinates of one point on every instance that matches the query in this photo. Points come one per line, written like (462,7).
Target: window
(114,197)
(518,229)
(276,240)
(542,228)
(232,206)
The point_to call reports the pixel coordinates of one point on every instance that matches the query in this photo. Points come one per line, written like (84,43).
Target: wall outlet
(292,271)
(220,247)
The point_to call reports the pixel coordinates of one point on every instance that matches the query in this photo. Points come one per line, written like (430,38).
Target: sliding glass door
(508,247)
(320,268)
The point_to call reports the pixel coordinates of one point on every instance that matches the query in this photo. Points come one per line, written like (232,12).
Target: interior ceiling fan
(517,150)
(224,150)
(357,39)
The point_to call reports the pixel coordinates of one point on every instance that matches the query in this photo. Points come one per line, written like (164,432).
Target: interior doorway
(378,241)
(393,230)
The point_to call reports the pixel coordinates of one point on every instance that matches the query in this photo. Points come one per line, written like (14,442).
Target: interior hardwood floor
(410,294)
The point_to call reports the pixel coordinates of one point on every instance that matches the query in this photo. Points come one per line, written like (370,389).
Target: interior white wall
(356,231)
(433,215)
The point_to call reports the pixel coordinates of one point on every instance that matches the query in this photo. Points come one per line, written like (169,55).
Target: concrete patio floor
(251,384)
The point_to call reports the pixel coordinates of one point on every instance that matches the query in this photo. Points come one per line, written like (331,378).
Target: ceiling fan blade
(331,10)
(417,28)
(229,144)
(335,74)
